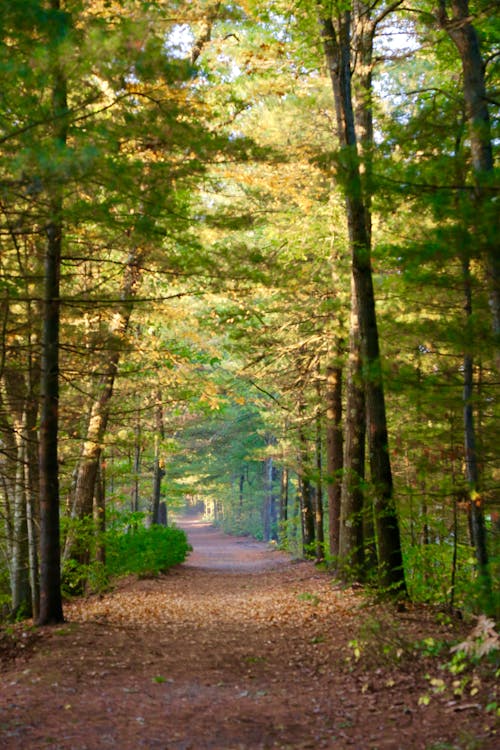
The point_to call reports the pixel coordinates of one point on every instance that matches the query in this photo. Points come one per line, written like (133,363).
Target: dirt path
(240,648)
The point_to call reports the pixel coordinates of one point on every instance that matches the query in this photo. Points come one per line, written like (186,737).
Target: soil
(239,648)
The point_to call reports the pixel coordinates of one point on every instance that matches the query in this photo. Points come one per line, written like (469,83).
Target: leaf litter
(240,648)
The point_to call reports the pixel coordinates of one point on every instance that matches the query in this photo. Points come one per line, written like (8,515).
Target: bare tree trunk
(32,481)
(9,455)
(305,510)
(351,540)
(20,584)
(18,426)
(318,506)
(240,493)
(284,495)
(100,514)
(135,491)
(268,499)
(364,29)
(50,555)
(369,536)
(305,496)
(158,471)
(336,40)
(334,452)
(51,610)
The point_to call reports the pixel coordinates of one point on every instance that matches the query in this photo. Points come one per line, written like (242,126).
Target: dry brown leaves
(239,648)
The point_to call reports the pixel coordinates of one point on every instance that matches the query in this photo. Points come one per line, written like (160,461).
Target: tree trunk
(476,503)
(51,610)
(364,29)
(318,505)
(284,497)
(307,512)
(100,514)
(20,582)
(158,471)
(158,474)
(338,56)
(99,411)
(466,40)
(334,452)
(351,540)
(268,499)
(18,402)
(88,465)
(32,481)
(369,537)
(240,494)
(305,494)
(50,562)
(163,514)
(136,469)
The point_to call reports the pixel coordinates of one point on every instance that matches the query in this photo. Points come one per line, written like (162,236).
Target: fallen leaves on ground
(240,648)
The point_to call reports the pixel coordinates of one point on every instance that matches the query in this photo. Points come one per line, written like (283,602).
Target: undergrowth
(466,670)
(130,548)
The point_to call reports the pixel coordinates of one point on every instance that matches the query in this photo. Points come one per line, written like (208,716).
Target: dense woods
(249,265)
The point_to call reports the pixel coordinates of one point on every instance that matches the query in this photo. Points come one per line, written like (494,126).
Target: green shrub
(429,574)
(145,551)
(78,578)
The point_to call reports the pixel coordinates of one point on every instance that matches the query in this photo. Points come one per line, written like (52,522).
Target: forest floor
(239,648)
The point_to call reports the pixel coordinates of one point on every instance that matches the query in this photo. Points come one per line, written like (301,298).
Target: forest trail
(240,648)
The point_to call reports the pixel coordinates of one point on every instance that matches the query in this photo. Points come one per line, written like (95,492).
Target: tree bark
(51,610)
(334,452)
(464,35)
(351,540)
(32,482)
(206,31)
(268,499)
(337,48)
(50,558)
(318,505)
(305,494)
(100,514)
(364,29)
(20,582)
(476,502)
(284,495)
(136,468)
(17,426)
(283,506)
(241,484)
(158,470)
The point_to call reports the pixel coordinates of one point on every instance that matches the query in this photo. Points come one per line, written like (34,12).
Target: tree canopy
(249,263)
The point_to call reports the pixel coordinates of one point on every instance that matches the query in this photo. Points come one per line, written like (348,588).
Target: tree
(211,217)
(158,470)
(334,451)
(50,564)
(444,259)
(465,37)
(88,466)
(336,35)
